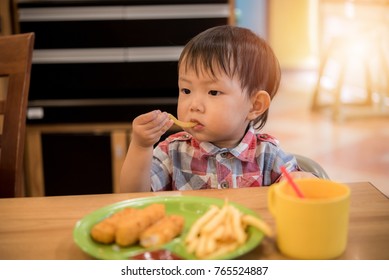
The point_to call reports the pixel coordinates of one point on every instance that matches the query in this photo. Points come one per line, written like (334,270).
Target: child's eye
(185,91)
(214,92)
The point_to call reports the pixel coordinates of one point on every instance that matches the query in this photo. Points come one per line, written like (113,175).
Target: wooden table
(41,227)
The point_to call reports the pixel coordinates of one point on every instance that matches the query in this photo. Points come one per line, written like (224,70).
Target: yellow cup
(313,227)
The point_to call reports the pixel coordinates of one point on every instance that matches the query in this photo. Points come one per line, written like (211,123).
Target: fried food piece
(128,231)
(104,231)
(162,231)
(220,231)
(181,123)
(259,224)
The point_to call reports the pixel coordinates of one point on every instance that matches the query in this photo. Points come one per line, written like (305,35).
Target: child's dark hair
(237,51)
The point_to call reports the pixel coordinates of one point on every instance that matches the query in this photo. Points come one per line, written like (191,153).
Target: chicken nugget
(128,231)
(162,231)
(104,231)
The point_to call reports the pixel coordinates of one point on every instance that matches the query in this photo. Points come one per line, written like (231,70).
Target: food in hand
(220,231)
(181,123)
(162,231)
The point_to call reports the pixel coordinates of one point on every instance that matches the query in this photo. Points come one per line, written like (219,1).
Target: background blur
(333,102)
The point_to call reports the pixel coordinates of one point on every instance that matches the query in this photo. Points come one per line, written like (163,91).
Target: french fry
(181,123)
(216,220)
(192,245)
(239,232)
(200,250)
(229,233)
(223,249)
(195,229)
(220,231)
(259,224)
(210,245)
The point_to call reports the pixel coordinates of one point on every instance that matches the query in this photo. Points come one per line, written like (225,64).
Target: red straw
(291,182)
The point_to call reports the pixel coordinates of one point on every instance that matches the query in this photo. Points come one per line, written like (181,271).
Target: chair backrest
(309,165)
(15,68)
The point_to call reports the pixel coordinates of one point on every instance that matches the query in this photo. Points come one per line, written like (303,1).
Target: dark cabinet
(67,154)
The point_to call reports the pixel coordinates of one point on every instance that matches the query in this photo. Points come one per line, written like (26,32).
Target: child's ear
(260,103)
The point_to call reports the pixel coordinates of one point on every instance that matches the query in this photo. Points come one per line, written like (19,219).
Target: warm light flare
(355,58)
(349,9)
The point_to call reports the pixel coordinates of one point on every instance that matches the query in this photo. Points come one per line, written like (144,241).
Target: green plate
(190,207)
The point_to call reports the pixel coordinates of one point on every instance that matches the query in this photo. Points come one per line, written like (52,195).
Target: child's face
(218,104)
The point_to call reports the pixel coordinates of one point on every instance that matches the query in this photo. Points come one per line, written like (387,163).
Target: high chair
(309,165)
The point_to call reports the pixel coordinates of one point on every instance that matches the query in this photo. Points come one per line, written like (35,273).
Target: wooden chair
(15,68)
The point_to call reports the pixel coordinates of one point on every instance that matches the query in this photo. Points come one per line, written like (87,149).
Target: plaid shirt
(182,163)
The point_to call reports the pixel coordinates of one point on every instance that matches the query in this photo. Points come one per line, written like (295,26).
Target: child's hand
(148,128)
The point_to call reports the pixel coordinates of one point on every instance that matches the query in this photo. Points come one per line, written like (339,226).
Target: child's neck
(232,145)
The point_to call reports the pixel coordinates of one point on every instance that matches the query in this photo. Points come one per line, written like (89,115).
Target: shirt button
(224,185)
(224,155)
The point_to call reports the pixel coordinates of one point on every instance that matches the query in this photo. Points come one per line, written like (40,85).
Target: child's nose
(196,104)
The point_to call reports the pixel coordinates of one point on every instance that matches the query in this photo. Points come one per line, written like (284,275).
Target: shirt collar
(244,151)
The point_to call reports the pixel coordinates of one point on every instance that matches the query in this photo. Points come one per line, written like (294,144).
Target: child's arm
(147,129)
